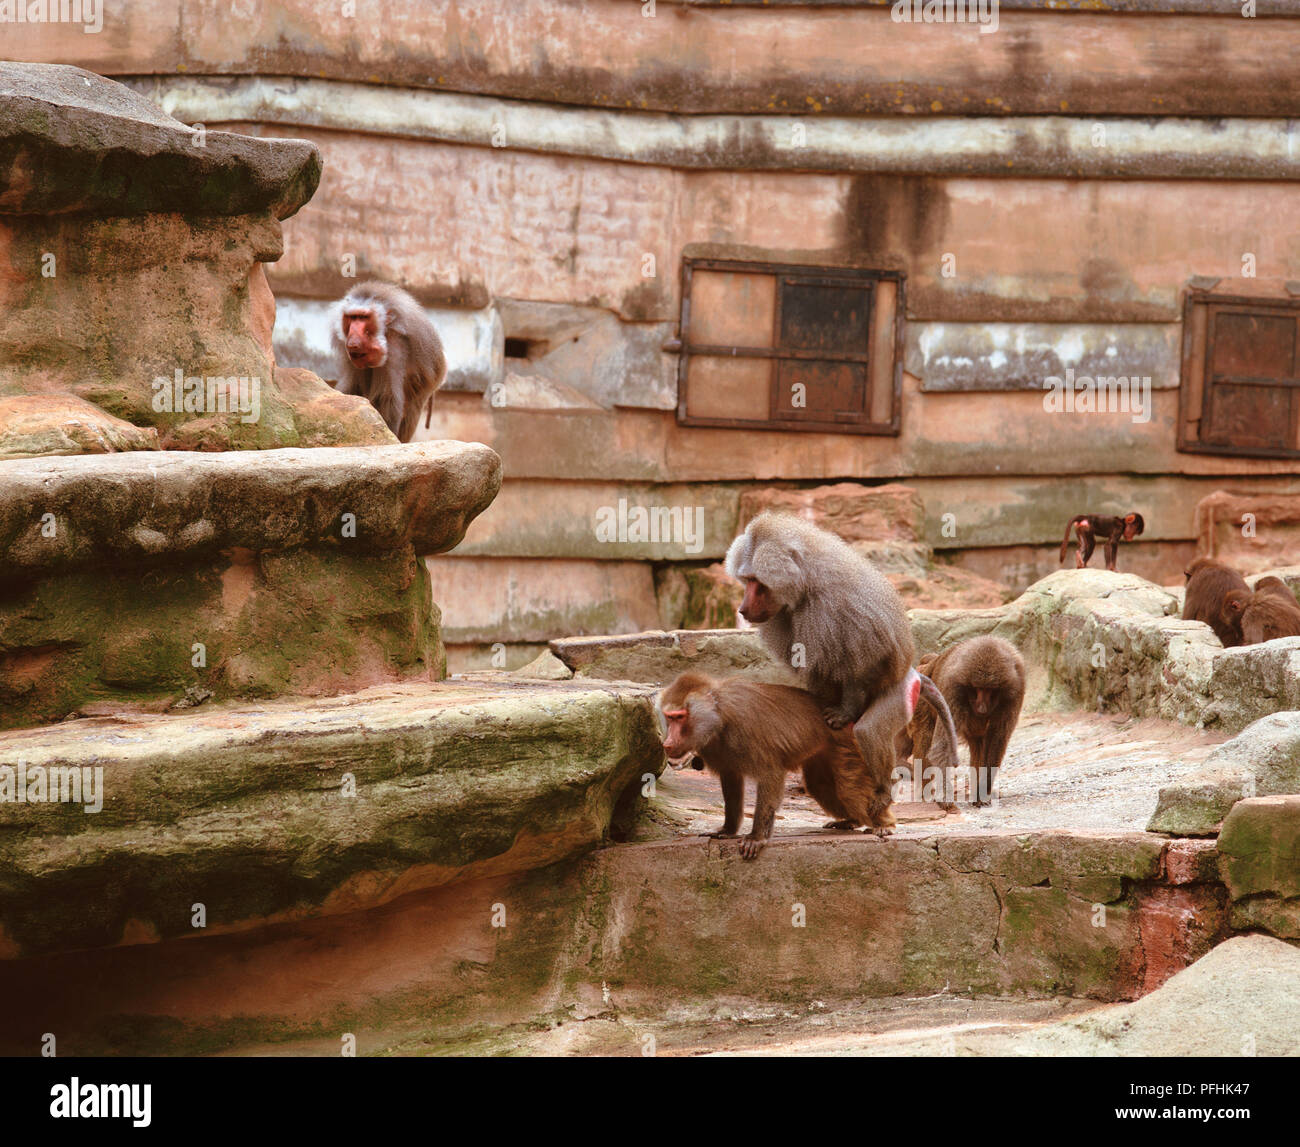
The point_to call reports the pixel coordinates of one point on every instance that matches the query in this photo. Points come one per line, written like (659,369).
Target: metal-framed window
(1239,391)
(775,346)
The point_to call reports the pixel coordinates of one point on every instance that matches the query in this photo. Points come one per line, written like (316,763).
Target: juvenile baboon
(389,353)
(1263,615)
(738,728)
(828,613)
(983,681)
(1276,586)
(1208,584)
(1089,527)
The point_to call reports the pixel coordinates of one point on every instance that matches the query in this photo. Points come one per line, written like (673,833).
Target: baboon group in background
(824,610)
(1219,596)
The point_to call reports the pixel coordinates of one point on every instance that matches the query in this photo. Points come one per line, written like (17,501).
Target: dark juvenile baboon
(1089,527)
(983,681)
(829,614)
(738,728)
(1263,615)
(1208,584)
(388,352)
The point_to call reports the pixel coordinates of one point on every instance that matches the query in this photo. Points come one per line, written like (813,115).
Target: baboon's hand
(722,834)
(751,846)
(837,718)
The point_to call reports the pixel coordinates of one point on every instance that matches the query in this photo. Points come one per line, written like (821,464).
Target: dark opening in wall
(524,348)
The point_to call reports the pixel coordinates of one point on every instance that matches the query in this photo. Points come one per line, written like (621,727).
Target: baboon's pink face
(679,742)
(364,337)
(759,604)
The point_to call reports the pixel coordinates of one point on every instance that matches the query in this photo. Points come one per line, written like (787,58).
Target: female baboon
(983,681)
(1208,584)
(738,728)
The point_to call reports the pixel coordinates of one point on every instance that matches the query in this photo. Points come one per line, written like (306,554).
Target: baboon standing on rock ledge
(389,353)
(829,614)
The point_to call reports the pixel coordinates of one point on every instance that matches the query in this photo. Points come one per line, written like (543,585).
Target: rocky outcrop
(148,580)
(657,658)
(1263,760)
(134,247)
(1260,846)
(294,809)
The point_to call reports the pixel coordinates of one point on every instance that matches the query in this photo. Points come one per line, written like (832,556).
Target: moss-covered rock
(1260,846)
(298,808)
(1264,760)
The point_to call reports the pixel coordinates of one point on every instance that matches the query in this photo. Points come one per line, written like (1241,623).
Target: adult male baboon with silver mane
(828,613)
(388,352)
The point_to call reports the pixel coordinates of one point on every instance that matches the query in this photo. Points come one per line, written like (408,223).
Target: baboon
(389,353)
(1208,584)
(983,681)
(1276,586)
(738,728)
(1263,615)
(828,613)
(1089,527)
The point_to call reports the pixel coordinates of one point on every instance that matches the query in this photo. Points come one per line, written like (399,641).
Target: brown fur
(1089,527)
(828,613)
(1266,614)
(1208,584)
(738,728)
(983,681)
(415,366)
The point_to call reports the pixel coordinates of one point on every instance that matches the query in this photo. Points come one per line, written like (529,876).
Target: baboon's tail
(1065,545)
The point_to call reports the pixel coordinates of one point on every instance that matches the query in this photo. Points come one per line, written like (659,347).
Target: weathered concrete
(1022,356)
(301,808)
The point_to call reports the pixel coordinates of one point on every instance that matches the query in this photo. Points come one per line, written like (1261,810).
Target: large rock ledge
(251,813)
(1261,761)
(149,506)
(84,144)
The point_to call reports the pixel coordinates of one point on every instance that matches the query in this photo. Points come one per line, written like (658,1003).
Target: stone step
(296,808)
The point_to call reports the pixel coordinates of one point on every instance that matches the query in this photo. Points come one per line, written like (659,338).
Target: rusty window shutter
(1240,377)
(772,346)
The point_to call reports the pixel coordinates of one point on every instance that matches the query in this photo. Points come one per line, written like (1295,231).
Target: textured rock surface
(658,657)
(1263,760)
(857,513)
(135,248)
(248,810)
(1260,845)
(32,425)
(176,506)
(1238,1000)
(150,580)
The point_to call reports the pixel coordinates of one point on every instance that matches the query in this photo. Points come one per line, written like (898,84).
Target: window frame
(802,274)
(1215,305)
